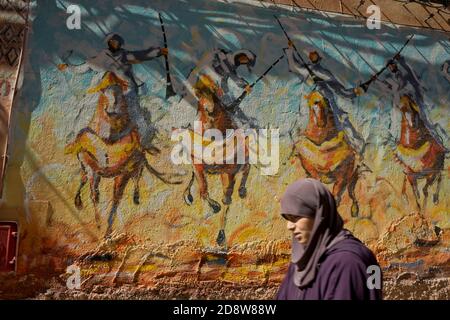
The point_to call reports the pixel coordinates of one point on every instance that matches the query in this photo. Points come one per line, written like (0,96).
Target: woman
(327,262)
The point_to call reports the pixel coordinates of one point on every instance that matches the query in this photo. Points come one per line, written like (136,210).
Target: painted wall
(162,237)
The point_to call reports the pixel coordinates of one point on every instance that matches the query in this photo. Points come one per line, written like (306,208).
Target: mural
(103,102)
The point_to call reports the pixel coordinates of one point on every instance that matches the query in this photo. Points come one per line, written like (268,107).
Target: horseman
(222,66)
(327,84)
(402,81)
(118,60)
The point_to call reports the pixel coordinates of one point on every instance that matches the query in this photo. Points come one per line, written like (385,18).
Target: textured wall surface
(163,240)
(13,21)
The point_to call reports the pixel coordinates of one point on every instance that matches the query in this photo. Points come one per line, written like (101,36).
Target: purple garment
(342,275)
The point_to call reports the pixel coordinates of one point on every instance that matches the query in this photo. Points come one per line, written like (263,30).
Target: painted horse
(213,115)
(110,148)
(325,153)
(418,152)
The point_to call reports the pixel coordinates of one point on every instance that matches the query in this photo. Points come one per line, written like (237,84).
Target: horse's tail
(158,174)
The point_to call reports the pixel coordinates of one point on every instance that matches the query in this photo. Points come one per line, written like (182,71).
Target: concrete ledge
(31,286)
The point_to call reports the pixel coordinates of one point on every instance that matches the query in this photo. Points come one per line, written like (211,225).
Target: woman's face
(301,227)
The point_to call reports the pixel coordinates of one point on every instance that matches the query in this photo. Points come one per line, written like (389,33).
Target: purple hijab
(310,198)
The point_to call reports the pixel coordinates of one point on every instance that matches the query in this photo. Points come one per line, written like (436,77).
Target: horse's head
(208,93)
(112,97)
(318,108)
(410,111)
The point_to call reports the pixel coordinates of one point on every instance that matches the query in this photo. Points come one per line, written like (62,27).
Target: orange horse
(419,153)
(110,148)
(324,152)
(212,115)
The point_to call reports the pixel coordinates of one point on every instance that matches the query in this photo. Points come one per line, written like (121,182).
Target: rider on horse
(118,60)
(222,65)
(402,81)
(327,84)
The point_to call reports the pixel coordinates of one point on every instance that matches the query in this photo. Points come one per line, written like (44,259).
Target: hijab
(311,198)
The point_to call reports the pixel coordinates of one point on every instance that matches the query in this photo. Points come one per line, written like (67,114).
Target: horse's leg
(242,187)
(339,188)
(136,179)
(94,181)
(120,182)
(438,188)
(413,182)
(351,192)
(430,179)
(220,240)
(78,201)
(187,195)
(84,179)
(228,181)
(404,189)
(203,186)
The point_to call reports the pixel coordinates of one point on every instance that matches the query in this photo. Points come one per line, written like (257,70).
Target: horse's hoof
(226,200)
(221,237)
(355,210)
(107,233)
(136,198)
(189,199)
(215,206)
(242,192)
(97,221)
(78,202)
(435,199)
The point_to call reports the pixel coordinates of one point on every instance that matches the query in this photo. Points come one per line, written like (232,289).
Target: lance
(311,73)
(365,85)
(236,102)
(65,58)
(169,87)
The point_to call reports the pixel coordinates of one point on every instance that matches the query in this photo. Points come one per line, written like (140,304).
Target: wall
(12,34)
(162,240)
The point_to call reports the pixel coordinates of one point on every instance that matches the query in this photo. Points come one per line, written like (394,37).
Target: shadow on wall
(193,28)
(39,50)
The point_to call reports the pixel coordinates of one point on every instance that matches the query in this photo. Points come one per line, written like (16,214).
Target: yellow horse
(421,156)
(325,153)
(110,147)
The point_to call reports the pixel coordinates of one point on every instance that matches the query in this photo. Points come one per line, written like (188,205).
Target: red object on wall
(8,246)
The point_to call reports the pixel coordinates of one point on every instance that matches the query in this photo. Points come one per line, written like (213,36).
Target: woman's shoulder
(344,271)
(350,251)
